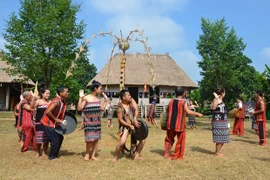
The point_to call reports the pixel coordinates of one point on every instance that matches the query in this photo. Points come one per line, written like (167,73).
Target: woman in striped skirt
(220,128)
(40,105)
(191,118)
(91,108)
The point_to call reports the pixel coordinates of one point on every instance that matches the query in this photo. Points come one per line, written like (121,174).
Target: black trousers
(55,140)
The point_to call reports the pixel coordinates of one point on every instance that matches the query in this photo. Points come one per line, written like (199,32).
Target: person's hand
(137,124)
(200,115)
(252,112)
(104,95)
(32,94)
(131,127)
(81,93)
(59,121)
(215,94)
(64,122)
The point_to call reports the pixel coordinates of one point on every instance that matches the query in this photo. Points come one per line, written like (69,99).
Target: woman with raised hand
(91,108)
(220,128)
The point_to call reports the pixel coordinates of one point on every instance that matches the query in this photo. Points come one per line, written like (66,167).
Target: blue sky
(172,26)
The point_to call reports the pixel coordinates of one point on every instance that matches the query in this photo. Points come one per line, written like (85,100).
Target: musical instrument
(69,127)
(141,132)
(163,120)
(237,113)
(231,114)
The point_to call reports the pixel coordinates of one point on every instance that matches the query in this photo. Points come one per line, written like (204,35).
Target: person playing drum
(127,114)
(238,126)
(53,117)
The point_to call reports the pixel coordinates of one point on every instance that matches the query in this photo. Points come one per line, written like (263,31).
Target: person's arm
(81,103)
(104,105)
(262,109)
(15,111)
(28,108)
(34,102)
(214,104)
(197,105)
(192,112)
(50,110)
(135,106)
(121,120)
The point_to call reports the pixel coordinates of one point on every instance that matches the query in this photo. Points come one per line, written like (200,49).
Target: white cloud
(137,6)
(265,53)
(162,32)
(187,60)
(154,17)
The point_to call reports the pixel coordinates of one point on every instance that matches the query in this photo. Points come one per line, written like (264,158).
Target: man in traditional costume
(53,117)
(260,115)
(25,122)
(176,124)
(127,114)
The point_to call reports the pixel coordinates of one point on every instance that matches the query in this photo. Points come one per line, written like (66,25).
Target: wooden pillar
(7,96)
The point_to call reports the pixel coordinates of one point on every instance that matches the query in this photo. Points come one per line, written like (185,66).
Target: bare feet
(86,157)
(220,155)
(114,159)
(94,158)
(138,157)
(37,154)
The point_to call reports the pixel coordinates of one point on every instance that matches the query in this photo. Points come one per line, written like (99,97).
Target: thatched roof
(5,78)
(168,73)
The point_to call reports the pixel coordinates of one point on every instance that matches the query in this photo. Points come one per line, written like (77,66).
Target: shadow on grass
(262,159)
(158,151)
(67,153)
(199,149)
(243,140)
(114,136)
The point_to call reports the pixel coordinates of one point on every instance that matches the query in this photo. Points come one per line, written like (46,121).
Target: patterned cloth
(110,112)
(220,124)
(191,118)
(91,121)
(41,136)
(254,123)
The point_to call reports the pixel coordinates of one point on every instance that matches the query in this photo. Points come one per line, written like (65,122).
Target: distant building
(10,87)
(137,73)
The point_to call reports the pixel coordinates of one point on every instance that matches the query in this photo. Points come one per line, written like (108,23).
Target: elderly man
(25,121)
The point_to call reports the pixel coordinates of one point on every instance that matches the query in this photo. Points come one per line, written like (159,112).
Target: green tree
(82,73)
(223,62)
(41,40)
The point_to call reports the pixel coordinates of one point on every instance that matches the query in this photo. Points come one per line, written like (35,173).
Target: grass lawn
(245,159)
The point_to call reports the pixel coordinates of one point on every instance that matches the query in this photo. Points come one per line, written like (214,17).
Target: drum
(237,113)
(163,120)
(70,126)
(140,133)
(231,114)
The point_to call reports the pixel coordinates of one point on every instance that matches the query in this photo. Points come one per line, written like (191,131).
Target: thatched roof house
(168,73)
(137,73)
(10,87)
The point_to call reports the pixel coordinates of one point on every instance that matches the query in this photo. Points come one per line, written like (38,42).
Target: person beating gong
(54,116)
(127,114)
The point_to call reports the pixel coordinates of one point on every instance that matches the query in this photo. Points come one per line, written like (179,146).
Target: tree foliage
(41,40)
(224,63)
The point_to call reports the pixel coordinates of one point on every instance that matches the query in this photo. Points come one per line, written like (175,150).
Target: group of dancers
(38,118)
